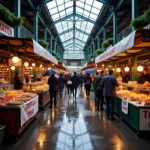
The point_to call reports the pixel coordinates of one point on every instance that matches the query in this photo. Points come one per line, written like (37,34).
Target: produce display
(35,87)
(134,96)
(16,97)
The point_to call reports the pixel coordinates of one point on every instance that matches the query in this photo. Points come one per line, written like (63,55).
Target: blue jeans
(61,91)
(110,104)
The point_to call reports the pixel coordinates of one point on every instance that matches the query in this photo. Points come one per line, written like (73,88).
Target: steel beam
(73,39)
(72,30)
(115,28)
(103,1)
(36,17)
(134,10)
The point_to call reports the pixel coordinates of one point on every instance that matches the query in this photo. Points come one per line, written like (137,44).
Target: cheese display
(36,87)
(16,97)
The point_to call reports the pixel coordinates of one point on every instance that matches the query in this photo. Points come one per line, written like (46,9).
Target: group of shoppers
(105,88)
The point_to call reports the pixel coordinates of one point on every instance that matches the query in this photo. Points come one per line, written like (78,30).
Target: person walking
(18,84)
(88,81)
(95,98)
(99,91)
(75,84)
(69,84)
(53,83)
(109,84)
(61,84)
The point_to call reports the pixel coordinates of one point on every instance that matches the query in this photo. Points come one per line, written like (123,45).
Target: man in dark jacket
(53,83)
(18,84)
(75,84)
(88,82)
(144,77)
(99,91)
(61,84)
(109,84)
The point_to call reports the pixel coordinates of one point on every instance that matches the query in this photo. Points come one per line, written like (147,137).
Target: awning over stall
(27,47)
(134,43)
(88,65)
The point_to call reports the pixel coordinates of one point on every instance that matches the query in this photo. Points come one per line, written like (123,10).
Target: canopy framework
(74,21)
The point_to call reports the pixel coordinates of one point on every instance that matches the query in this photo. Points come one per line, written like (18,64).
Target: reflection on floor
(75,125)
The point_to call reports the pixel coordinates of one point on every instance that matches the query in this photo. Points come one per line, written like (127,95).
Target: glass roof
(74,20)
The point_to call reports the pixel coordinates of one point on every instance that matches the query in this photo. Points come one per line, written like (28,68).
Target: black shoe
(97,109)
(55,106)
(107,117)
(112,118)
(50,106)
(102,108)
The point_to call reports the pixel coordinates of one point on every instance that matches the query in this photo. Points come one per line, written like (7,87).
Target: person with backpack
(61,84)
(75,84)
(99,91)
(88,82)
(69,84)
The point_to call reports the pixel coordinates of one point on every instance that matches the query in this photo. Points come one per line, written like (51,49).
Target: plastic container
(2,130)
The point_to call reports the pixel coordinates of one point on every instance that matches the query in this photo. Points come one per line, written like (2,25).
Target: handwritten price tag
(143,104)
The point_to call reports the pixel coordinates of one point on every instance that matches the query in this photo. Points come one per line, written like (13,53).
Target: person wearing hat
(99,91)
(144,77)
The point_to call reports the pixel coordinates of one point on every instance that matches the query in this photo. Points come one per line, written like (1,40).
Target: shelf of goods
(28,71)
(41,89)
(3,72)
(133,105)
(17,109)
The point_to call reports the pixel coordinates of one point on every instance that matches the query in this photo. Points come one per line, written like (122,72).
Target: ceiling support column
(51,44)
(115,28)
(17,8)
(134,10)
(134,68)
(104,35)
(94,48)
(36,17)
(98,43)
(45,34)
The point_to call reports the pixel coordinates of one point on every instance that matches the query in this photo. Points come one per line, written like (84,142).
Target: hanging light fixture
(26,64)
(15,59)
(33,64)
(41,65)
(140,68)
(118,70)
(12,67)
(126,69)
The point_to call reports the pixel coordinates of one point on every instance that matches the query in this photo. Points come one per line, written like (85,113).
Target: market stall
(133,105)
(133,101)
(41,89)
(18,110)
(26,54)
(62,67)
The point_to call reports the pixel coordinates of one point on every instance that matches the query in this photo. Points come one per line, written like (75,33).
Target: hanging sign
(145,119)
(124,106)
(29,109)
(122,46)
(6,29)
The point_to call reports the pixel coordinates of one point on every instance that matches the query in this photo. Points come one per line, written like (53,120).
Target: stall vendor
(144,77)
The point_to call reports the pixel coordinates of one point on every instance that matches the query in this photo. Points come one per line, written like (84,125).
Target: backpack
(88,82)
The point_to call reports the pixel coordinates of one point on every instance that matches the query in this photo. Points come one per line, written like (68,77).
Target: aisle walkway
(75,125)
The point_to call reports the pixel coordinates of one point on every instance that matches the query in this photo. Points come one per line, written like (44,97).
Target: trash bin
(2,130)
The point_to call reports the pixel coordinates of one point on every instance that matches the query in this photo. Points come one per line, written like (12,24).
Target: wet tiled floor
(75,125)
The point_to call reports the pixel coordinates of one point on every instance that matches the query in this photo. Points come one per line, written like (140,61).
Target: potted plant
(9,18)
(54,53)
(43,43)
(99,51)
(141,21)
(2,130)
(107,42)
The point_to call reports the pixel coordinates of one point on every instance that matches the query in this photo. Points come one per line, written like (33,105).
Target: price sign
(125,106)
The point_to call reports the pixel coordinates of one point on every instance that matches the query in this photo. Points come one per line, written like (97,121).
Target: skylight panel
(51,4)
(90,2)
(95,11)
(61,7)
(87,7)
(80,4)
(55,17)
(69,4)
(54,11)
(62,14)
(69,10)
(97,4)
(86,13)
(79,10)
(93,17)
(60,2)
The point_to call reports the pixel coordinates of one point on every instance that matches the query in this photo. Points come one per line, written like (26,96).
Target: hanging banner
(122,46)
(124,106)
(6,29)
(38,49)
(29,109)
